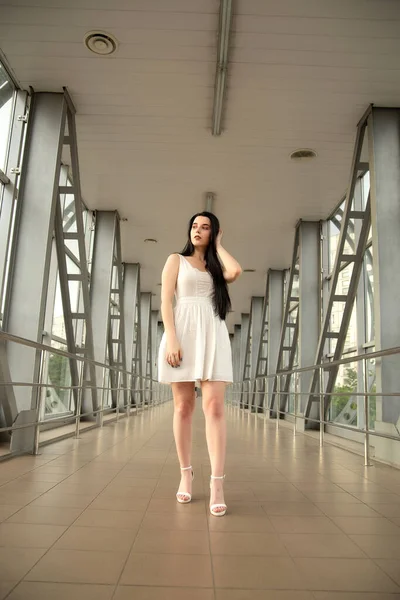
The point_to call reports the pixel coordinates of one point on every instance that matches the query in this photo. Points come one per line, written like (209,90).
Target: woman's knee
(214,408)
(184,408)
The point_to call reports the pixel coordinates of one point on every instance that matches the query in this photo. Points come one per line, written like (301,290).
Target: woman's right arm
(168,282)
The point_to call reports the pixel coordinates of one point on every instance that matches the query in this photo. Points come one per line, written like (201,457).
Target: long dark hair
(221,299)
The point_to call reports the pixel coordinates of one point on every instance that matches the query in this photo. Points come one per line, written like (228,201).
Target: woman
(196,347)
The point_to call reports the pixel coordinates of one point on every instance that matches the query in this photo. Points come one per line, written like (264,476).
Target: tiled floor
(96,519)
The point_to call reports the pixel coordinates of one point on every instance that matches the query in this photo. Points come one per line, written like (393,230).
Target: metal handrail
(251,390)
(37,423)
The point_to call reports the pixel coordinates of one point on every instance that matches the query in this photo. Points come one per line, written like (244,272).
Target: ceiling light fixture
(249,270)
(100,42)
(210,197)
(303,154)
(150,241)
(225,22)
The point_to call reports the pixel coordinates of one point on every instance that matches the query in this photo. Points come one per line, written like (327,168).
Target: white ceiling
(302,73)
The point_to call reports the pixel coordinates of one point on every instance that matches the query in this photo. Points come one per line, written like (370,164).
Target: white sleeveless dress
(203,336)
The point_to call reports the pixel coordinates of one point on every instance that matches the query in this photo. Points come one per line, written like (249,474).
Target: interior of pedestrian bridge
(118,122)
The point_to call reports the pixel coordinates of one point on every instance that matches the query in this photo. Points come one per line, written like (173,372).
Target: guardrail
(243,393)
(142,392)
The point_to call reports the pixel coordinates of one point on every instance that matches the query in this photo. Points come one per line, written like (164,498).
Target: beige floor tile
(246,544)
(17,499)
(102,539)
(291,509)
(60,500)
(370,498)
(26,487)
(342,574)
(124,503)
(162,593)
(29,590)
(245,508)
(239,523)
(168,570)
(6,511)
(261,595)
(355,596)
(387,510)
(366,525)
(47,477)
(16,562)
(391,568)
(347,510)
(170,505)
(24,535)
(379,546)
(303,524)
(46,515)
(172,542)
(340,497)
(247,572)
(110,518)
(320,545)
(76,566)
(6,587)
(175,522)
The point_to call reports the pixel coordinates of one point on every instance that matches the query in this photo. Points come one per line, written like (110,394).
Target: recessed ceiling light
(249,270)
(303,154)
(100,42)
(150,241)
(159,283)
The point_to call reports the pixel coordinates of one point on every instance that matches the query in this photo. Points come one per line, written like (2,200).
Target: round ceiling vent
(303,154)
(101,43)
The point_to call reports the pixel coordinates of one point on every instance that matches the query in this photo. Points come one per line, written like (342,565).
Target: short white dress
(203,336)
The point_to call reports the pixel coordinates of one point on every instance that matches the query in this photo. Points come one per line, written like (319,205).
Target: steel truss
(289,332)
(347,254)
(73,263)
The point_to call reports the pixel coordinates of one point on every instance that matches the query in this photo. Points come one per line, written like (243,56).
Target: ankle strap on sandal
(222,477)
(186,468)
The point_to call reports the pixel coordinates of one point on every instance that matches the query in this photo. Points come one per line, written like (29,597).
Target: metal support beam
(26,298)
(100,290)
(236,345)
(309,302)
(384,148)
(274,319)
(244,373)
(145,326)
(131,300)
(256,324)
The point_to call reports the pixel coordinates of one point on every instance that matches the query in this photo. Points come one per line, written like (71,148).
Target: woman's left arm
(232,269)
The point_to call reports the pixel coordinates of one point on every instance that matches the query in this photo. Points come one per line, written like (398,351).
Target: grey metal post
(257,304)
(145,326)
(131,295)
(384,149)
(100,289)
(26,299)
(236,352)
(243,350)
(275,317)
(154,332)
(309,304)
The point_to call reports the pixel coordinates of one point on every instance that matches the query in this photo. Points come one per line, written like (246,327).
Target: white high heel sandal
(218,513)
(188,497)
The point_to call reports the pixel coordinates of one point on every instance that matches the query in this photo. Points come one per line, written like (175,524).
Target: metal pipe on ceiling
(224,30)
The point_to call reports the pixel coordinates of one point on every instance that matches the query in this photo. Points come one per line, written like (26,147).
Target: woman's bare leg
(184,402)
(214,412)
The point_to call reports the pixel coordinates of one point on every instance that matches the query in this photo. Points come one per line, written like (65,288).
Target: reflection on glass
(343,407)
(7,92)
(371,367)
(369,295)
(59,400)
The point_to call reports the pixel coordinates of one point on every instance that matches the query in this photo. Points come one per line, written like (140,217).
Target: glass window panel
(73,246)
(58,328)
(344,406)
(371,367)
(58,400)
(7,96)
(369,295)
